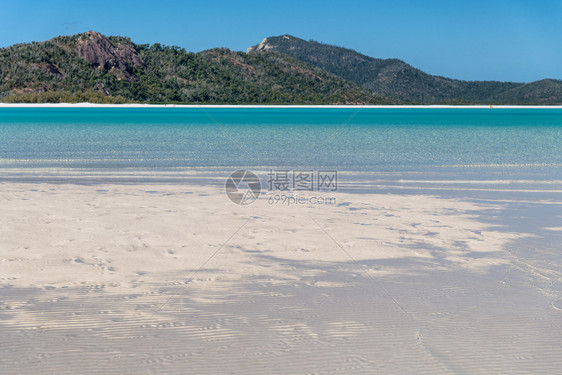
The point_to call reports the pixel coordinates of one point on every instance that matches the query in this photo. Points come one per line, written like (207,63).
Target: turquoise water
(183,140)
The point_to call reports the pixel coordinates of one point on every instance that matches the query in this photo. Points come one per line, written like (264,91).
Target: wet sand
(176,279)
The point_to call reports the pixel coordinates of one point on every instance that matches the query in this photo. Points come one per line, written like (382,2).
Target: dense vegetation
(91,67)
(281,70)
(395,78)
(64,97)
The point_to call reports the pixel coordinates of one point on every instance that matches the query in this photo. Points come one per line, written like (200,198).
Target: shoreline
(280,106)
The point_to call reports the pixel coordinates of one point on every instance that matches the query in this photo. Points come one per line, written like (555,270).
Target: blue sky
(513,40)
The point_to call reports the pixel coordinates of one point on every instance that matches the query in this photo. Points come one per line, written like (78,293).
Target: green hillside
(280,70)
(95,68)
(396,79)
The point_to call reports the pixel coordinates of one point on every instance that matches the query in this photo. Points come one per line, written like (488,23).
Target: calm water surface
(374,145)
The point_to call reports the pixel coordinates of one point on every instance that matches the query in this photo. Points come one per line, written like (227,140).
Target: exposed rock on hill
(100,52)
(93,67)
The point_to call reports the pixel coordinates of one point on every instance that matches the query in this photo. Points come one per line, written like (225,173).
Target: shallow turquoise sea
(400,143)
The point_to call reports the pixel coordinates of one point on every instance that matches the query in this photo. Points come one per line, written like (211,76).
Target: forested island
(91,67)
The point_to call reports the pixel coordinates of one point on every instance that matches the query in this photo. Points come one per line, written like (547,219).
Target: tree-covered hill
(546,91)
(92,67)
(396,79)
(280,70)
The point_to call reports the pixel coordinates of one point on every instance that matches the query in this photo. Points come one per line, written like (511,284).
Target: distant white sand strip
(342,106)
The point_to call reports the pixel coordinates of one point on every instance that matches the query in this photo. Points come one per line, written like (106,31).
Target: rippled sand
(175,279)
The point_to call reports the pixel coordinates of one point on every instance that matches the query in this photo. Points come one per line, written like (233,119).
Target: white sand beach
(175,279)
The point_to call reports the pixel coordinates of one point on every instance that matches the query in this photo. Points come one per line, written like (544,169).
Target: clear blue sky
(513,40)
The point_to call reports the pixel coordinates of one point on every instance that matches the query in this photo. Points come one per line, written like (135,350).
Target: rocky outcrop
(100,52)
(265,45)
